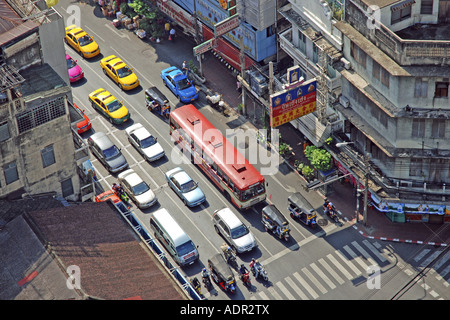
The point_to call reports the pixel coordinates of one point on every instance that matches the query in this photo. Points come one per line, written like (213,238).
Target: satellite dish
(51,3)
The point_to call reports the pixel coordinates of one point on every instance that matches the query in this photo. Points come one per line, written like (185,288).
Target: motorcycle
(245,277)
(120,192)
(332,212)
(259,272)
(206,281)
(229,256)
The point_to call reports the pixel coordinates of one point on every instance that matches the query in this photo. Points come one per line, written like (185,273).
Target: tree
(319,158)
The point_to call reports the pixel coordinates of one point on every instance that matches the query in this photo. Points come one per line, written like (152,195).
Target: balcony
(307,64)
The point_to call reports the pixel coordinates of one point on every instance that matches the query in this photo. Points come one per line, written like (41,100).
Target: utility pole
(242,60)
(366,187)
(197,37)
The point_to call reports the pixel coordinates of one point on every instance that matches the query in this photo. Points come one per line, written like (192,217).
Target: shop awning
(402,5)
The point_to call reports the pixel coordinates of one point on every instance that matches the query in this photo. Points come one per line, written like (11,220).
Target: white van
(173,238)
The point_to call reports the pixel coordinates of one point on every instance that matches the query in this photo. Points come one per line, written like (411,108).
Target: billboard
(293,103)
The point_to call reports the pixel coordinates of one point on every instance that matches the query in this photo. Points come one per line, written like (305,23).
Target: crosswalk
(346,264)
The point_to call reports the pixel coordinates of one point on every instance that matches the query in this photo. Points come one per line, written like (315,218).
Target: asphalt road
(330,262)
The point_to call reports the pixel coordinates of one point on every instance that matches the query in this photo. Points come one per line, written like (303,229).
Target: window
(67,187)
(302,42)
(421,88)
(48,156)
(441,90)
(415,167)
(358,54)
(380,73)
(400,14)
(315,57)
(40,115)
(426,7)
(418,128)
(438,128)
(4,131)
(10,171)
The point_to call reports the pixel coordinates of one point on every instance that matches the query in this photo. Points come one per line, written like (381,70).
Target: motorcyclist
(227,251)
(330,209)
(205,273)
(325,205)
(116,188)
(243,270)
(257,267)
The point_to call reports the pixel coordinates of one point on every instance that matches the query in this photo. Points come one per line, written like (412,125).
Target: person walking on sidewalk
(172,34)
(167,28)
(185,68)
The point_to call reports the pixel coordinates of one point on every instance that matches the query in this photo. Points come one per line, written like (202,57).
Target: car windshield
(185,248)
(70,63)
(183,84)
(114,106)
(239,232)
(111,152)
(85,40)
(188,186)
(140,188)
(124,72)
(148,142)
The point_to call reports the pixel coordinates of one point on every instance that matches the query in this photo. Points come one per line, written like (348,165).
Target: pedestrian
(167,28)
(239,86)
(185,67)
(172,34)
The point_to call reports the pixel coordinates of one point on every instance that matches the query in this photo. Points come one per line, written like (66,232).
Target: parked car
(107,153)
(75,71)
(85,124)
(179,84)
(227,224)
(109,106)
(118,70)
(137,189)
(144,142)
(110,195)
(83,43)
(186,188)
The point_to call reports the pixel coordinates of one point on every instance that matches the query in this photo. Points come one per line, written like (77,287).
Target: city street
(331,262)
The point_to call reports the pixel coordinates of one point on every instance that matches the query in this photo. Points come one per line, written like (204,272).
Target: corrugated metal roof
(8,17)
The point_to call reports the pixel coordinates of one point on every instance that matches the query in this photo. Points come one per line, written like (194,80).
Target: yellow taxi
(83,43)
(117,70)
(109,106)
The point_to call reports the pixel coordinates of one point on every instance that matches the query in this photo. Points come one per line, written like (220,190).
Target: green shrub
(319,158)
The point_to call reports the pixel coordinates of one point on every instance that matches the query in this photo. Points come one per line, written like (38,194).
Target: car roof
(171,226)
(229,218)
(138,130)
(131,177)
(101,140)
(181,176)
(173,71)
(103,95)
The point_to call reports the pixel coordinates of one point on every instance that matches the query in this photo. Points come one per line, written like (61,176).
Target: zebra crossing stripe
(364,253)
(442,261)
(331,271)
(430,258)
(356,258)
(296,288)
(374,251)
(264,296)
(339,266)
(306,285)
(421,255)
(314,280)
(348,262)
(274,293)
(322,275)
(285,290)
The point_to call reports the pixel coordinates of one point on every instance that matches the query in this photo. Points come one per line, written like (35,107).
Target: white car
(137,189)
(144,142)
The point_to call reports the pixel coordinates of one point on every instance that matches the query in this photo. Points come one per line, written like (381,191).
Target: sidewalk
(378,226)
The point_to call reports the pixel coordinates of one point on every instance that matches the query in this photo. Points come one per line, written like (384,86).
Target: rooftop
(426,32)
(40,78)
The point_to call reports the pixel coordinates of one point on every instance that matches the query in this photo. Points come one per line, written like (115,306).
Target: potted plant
(195,72)
(308,172)
(285,150)
(319,158)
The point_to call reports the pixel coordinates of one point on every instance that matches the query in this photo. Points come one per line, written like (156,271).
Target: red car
(109,194)
(85,124)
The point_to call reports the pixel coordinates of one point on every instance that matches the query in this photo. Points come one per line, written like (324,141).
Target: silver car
(233,230)
(137,189)
(186,188)
(144,142)
(107,152)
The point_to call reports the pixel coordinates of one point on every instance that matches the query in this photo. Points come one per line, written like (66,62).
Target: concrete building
(38,153)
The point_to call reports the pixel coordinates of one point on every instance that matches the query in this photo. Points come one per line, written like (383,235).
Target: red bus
(238,180)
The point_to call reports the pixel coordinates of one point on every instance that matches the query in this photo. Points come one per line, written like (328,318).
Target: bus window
(225,178)
(220,173)
(214,167)
(231,185)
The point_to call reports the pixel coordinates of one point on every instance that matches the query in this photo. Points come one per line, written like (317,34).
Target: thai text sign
(226,25)
(293,103)
(203,47)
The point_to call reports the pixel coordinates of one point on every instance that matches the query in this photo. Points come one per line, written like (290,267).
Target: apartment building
(37,149)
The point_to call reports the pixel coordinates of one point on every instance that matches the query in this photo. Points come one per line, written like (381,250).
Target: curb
(354,226)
